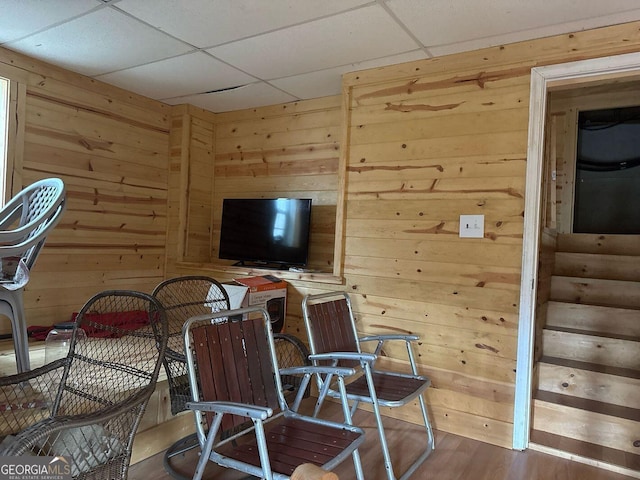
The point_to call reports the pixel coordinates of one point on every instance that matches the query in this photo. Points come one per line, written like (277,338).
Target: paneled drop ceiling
(226,55)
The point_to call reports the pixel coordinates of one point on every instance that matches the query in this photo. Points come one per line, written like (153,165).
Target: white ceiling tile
(167,78)
(19,18)
(250,96)
(204,23)
(329,82)
(441,22)
(540,32)
(100,42)
(349,37)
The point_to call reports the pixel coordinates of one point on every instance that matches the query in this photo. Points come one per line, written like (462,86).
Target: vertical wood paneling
(191,173)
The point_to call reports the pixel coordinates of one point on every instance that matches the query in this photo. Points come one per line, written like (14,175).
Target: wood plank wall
(191,176)
(110,147)
(283,151)
(423,151)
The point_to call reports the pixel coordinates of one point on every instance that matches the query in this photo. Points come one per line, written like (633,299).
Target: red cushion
(131,320)
(94,324)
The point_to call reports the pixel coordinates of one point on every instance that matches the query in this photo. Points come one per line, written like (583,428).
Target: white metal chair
(333,339)
(25,223)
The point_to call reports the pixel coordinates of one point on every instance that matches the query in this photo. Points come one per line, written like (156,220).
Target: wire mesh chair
(333,339)
(25,223)
(184,297)
(232,373)
(87,406)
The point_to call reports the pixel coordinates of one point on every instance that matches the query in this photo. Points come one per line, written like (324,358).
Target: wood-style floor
(455,458)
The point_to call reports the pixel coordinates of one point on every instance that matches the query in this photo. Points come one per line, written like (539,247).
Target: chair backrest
(182,298)
(120,357)
(233,359)
(330,323)
(27,218)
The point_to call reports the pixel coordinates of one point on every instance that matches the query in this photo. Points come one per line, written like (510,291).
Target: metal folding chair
(191,295)
(333,339)
(235,388)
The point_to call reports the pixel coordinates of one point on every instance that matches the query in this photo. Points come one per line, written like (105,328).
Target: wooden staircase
(588,398)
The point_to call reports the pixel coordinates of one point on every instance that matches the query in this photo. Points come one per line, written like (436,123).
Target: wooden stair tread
(589,405)
(596,243)
(597,265)
(593,349)
(622,321)
(593,333)
(586,449)
(593,367)
(595,291)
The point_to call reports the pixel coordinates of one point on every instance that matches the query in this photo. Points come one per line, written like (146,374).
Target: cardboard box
(267,290)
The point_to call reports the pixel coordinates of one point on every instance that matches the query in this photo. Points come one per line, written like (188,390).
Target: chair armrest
(38,433)
(19,379)
(311,369)
(384,338)
(242,409)
(26,398)
(355,356)
(381,339)
(10,216)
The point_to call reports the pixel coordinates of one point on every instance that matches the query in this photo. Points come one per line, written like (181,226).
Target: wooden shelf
(319,277)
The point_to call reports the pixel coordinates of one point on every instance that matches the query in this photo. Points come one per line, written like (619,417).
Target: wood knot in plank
(421,107)
(482,346)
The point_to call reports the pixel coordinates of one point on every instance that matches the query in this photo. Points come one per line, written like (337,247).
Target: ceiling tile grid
(231,54)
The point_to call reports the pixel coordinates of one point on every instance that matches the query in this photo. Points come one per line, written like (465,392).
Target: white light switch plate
(471,226)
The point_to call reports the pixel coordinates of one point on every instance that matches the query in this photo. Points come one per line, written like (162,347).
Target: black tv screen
(265,231)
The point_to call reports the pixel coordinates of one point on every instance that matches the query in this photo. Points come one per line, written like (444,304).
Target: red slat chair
(237,392)
(333,340)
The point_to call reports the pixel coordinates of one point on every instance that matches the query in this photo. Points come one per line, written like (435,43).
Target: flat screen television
(265,231)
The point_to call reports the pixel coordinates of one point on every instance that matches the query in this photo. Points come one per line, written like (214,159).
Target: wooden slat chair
(333,339)
(190,295)
(232,373)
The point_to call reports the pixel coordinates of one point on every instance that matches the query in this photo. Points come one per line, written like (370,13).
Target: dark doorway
(607,187)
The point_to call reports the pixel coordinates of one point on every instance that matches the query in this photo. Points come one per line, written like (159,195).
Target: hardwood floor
(455,458)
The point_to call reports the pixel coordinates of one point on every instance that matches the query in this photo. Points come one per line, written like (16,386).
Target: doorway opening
(543,79)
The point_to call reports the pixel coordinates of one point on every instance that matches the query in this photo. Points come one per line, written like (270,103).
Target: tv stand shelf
(320,277)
